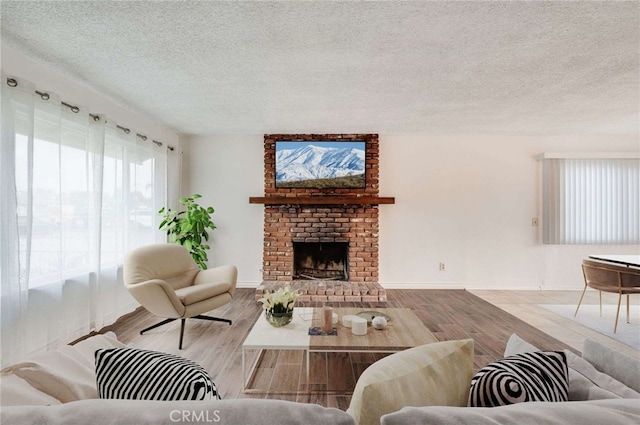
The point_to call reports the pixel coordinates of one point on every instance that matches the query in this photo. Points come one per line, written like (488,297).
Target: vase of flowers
(278,305)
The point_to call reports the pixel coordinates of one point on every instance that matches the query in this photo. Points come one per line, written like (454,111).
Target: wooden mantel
(322,200)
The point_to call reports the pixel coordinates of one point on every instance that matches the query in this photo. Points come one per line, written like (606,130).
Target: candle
(327,318)
(358,326)
(346,320)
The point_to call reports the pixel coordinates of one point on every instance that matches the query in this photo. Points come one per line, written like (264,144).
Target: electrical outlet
(441,267)
(534,222)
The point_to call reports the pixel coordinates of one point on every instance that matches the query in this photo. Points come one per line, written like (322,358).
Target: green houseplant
(189,227)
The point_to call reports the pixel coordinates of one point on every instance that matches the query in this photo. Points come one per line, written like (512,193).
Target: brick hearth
(287,223)
(331,291)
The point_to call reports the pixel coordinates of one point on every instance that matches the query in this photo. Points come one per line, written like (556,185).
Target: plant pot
(279,319)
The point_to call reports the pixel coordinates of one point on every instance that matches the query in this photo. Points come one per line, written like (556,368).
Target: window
(591,200)
(78,192)
(62,211)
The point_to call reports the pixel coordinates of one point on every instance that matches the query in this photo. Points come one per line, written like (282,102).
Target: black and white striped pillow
(535,376)
(130,373)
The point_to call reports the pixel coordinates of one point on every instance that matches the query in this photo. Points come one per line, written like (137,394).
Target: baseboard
(421,285)
(450,285)
(248,284)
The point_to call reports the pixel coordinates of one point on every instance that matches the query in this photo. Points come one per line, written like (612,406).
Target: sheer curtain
(78,192)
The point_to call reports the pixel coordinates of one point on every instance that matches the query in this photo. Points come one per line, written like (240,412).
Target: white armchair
(166,281)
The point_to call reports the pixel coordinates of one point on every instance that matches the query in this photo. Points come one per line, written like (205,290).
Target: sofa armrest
(143,412)
(610,412)
(158,297)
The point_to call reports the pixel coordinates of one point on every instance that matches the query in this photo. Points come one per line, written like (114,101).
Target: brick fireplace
(326,219)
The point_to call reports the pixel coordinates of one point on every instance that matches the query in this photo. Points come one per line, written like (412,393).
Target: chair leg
(580,302)
(615,327)
(199,316)
(628,309)
(600,296)
(216,319)
(181,333)
(157,325)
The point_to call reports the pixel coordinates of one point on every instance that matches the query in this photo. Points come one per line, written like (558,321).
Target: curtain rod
(12,82)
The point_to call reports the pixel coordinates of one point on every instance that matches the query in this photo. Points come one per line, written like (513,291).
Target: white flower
(280,301)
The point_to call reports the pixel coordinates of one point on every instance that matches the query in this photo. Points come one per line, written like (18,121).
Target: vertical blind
(591,200)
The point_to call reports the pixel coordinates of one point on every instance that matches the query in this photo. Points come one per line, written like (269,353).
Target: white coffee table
(405,330)
(263,336)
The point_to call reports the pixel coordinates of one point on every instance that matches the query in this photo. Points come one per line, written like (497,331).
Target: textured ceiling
(384,67)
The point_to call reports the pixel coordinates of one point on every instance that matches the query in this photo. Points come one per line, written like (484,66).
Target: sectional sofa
(424,385)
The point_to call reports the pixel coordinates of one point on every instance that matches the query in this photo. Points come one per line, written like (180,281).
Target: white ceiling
(384,67)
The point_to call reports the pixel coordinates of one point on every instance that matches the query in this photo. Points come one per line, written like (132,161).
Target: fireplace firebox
(321,260)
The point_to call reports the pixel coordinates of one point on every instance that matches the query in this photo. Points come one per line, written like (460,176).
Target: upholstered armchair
(166,281)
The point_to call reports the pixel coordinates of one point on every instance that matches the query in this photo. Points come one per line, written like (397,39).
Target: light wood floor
(525,306)
(489,317)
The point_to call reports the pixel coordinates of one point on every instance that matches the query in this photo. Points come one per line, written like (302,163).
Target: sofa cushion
(15,391)
(614,363)
(195,293)
(432,374)
(130,373)
(535,376)
(517,345)
(68,373)
(59,375)
(610,412)
(587,383)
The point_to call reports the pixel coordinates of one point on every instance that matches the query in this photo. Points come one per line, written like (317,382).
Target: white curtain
(591,201)
(77,193)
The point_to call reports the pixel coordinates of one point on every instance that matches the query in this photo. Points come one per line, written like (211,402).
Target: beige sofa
(59,387)
(424,385)
(604,388)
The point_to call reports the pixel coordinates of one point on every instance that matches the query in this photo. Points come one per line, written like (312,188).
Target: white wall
(466,201)
(226,171)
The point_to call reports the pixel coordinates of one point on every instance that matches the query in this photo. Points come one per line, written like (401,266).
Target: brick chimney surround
(322,215)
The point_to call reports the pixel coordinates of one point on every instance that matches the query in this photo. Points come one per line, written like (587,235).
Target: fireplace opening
(321,260)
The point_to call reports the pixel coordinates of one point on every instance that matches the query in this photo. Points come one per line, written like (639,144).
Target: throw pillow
(129,373)
(517,345)
(428,375)
(537,376)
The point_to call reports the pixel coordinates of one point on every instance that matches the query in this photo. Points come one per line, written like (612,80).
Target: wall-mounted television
(320,164)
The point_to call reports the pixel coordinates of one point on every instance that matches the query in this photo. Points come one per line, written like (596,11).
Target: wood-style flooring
(449,314)
(526,305)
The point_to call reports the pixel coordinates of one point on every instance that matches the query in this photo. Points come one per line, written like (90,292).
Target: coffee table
(404,330)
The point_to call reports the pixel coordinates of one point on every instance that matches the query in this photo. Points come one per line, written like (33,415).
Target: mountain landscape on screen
(313,166)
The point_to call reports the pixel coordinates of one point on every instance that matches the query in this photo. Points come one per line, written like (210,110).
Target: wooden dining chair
(610,278)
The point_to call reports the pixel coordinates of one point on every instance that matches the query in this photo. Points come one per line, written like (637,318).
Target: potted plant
(189,227)
(278,305)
